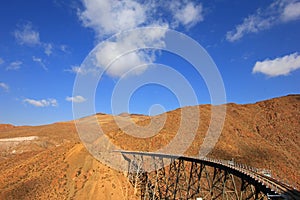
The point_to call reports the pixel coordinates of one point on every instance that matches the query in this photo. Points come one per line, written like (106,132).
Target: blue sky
(254,44)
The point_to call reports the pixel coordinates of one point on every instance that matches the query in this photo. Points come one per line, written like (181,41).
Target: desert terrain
(51,162)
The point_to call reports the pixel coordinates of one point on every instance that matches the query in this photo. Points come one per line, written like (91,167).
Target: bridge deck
(270,184)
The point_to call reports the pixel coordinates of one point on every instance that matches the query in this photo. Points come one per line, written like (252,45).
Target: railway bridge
(164,176)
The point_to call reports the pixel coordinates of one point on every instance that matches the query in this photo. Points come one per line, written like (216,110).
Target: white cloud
(115,58)
(1,61)
(76,70)
(127,62)
(41,103)
(81,70)
(109,17)
(76,99)
(251,24)
(4,86)
(279,66)
(48,49)
(291,11)
(26,35)
(64,48)
(14,65)
(40,62)
(187,14)
(280,11)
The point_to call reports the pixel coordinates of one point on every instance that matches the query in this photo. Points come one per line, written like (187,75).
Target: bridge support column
(189,178)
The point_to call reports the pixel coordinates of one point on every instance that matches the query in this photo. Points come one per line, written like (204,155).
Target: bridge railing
(256,173)
(272,185)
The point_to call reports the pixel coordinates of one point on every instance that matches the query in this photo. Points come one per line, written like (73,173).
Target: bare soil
(55,164)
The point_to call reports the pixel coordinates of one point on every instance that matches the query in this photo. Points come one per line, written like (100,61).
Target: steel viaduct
(164,176)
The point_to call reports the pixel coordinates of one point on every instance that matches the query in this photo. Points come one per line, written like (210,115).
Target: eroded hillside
(50,161)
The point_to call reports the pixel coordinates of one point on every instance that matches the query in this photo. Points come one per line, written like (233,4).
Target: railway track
(271,187)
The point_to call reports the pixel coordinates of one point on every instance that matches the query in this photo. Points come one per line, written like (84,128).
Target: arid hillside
(50,161)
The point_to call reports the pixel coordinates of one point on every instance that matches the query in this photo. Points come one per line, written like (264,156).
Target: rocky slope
(51,162)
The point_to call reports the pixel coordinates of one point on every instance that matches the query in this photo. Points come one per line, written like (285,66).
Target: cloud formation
(48,49)
(75,69)
(187,14)
(4,86)
(14,65)
(291,12)
(1,61)
(278,66)
(76,99)
(127,52)
(280,11)
(40,62)
(81,70)
(41,103)
(64,48)
(107,17)
(26,35)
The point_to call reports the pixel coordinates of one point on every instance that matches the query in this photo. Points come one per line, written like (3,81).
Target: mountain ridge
(55,163)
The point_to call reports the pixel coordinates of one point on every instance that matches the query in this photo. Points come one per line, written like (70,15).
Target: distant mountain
(56,165)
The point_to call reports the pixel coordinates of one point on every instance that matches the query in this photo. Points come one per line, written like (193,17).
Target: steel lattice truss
(173,177)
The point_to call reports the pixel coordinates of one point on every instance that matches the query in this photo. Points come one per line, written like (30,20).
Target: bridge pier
(159,176)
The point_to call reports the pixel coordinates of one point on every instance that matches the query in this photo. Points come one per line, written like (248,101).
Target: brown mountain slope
(55,165)
(50,161)
(262,135)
